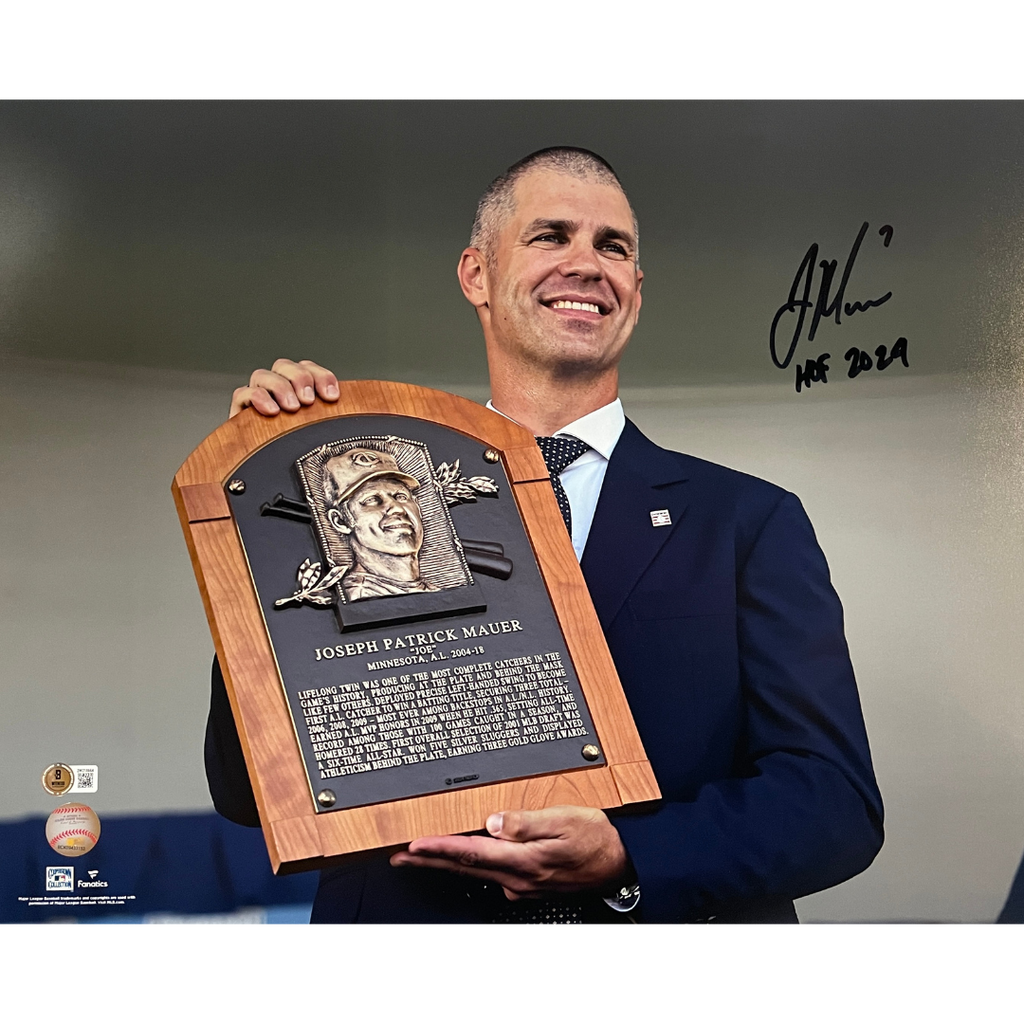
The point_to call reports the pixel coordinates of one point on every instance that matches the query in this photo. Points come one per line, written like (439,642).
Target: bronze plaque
(407,640)
(417,646)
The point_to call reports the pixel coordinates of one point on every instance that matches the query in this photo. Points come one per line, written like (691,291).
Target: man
(719,613)
(372,503)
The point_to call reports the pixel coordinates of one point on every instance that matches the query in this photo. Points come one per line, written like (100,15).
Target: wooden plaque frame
(298,838)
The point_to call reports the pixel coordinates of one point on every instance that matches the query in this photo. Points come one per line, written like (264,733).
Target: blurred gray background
(153,254)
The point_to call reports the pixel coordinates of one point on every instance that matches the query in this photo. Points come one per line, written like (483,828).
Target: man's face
(569,243)
(385,516)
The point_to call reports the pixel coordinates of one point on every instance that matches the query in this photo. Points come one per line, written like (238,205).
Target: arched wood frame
(298,838)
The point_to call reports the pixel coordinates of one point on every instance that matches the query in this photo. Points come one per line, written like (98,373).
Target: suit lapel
(623,542)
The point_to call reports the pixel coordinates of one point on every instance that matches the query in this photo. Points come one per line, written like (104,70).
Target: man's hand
(287,386)
(533,855)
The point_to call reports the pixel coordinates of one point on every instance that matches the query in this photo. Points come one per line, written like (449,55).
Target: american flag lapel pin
(660,517)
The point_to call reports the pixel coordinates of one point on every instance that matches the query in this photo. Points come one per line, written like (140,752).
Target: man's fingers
(279,386)
(478,852)
(288,385)
(531,894)
(259,398)
(299,377)
(549,823)
(507,881)
(529,853)
(308,379)
(324,380)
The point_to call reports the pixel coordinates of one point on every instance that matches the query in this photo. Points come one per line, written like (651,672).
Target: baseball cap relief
(351,469)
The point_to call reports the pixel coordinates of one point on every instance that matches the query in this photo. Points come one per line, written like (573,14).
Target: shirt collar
(601,429)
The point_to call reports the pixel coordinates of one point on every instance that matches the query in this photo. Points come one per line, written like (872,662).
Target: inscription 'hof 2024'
(439,713)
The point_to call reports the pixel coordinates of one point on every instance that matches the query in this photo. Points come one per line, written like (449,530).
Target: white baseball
(73,829)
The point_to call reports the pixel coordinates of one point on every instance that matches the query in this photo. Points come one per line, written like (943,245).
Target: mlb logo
(60,879)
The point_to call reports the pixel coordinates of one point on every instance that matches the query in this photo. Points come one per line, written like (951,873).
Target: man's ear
(639,297)
(472,273)
(334,518)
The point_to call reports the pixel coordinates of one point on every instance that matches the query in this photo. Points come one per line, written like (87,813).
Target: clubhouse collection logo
(60,879)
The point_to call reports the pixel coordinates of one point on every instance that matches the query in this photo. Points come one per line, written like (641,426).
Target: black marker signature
(825,305)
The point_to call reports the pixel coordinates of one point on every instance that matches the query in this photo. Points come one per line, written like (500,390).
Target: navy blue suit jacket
(728,639)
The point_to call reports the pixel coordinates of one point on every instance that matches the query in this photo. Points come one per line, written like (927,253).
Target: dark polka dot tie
(559,452)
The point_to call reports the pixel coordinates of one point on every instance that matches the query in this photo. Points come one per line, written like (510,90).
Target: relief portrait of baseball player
(373,505)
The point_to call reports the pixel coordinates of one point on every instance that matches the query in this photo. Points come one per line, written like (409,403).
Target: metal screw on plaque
(326,798)
(491,455)
(237,486)
(591,752)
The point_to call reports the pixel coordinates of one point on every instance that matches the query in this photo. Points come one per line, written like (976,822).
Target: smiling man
(710,586)
(553,274)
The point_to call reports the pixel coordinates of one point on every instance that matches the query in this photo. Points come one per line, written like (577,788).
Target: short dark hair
(498,202)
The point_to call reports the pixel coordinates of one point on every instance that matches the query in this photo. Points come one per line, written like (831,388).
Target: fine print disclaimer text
(75,901)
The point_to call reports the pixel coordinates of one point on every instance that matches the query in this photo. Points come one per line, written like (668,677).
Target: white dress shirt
(582,479)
